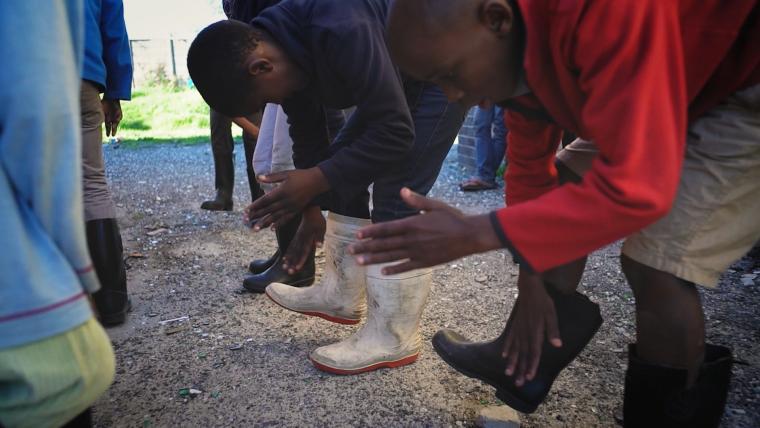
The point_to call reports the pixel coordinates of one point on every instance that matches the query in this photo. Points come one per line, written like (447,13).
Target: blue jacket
(341,46)
(45,268)
(107,60)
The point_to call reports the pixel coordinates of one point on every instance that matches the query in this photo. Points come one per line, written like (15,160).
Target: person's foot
(578,320)
(260,265)
(257,283)
(476,183)
(222,202)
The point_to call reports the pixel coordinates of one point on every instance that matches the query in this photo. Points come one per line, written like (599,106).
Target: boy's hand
(295,190)
(112,116)
(310,235)
(441,234)
(533,318)
(247,218)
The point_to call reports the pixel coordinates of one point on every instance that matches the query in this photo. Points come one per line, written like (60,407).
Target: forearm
(484,236)
(247,126)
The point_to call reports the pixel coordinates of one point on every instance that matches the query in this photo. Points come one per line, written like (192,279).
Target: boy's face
(274,77)
(470,61)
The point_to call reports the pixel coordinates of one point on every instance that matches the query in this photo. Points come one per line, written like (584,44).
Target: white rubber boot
(390,337)
(340,296)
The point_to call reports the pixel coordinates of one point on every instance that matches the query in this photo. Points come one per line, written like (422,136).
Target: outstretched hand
(310,235)
(440,234)
(295,189)
(533,319)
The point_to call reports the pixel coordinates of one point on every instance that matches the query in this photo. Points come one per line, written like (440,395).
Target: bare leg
(670,326)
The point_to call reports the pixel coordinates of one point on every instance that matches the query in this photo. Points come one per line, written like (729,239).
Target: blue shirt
(45,268)
(107,60)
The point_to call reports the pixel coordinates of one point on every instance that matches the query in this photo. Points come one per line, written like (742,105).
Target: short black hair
(216,63)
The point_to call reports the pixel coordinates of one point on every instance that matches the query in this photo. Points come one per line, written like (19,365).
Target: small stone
(175,325)
(481,278)
(152,314)
(498,417)
(748,282)
(235,346)
(157,232)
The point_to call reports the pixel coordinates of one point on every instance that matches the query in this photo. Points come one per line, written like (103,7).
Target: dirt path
(194,268)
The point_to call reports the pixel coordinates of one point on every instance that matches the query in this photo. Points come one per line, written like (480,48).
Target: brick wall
(466,146)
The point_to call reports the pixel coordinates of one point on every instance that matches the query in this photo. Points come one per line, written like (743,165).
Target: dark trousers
(436,124)
(223,147)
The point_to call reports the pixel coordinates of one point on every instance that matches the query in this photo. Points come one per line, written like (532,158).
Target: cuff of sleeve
(89,279)
(507,243)
(332,174)
(117,95)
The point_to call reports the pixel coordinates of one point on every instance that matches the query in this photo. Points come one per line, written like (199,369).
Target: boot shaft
(105,246)
(395,302)
(343,275)
(658,395)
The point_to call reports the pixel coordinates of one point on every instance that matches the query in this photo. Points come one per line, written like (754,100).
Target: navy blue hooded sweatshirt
(341,46)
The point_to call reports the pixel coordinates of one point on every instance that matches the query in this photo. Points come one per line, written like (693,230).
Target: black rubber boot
(578,319)
(257,283)
(104,242)
(260,265)
(657,395)
(224,172)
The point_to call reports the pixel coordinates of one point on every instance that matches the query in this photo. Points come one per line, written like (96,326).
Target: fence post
(174,62)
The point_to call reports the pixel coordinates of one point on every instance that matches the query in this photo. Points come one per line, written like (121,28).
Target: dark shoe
(104,242)
(657,395)
(578,319)
(258,283)
(260,265)
(222,202)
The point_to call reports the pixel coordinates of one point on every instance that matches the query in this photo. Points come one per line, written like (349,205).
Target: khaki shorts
(715,219)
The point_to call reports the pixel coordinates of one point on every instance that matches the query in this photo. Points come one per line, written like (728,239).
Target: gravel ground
(194,268)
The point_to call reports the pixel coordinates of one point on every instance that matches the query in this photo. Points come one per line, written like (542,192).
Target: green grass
(159,114)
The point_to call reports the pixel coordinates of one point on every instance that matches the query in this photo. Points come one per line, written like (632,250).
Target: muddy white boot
(390,337)
(340,296)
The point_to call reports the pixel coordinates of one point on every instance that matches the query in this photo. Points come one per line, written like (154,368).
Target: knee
(566,278)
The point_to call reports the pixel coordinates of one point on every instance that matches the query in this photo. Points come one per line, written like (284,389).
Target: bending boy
(669,93)
(308,56)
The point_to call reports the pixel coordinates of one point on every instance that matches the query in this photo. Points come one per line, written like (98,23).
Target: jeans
(436,124)
(490,141)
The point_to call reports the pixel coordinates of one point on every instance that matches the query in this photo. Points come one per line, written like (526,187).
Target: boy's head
(472,49)
(238,69)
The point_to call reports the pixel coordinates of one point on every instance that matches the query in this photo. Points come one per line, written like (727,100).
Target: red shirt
(629,75)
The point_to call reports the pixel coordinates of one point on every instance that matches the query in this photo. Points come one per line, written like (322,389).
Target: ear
(497,15)
(259,66)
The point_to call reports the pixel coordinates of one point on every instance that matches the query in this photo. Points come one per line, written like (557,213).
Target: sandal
(475,184)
